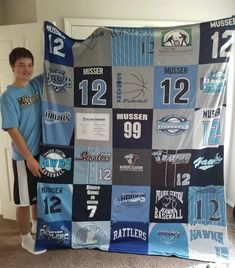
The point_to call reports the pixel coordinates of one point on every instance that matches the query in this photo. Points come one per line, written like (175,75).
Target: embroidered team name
(180,158)
(205,234)
(26,101)
(129,232)
(133,197)
(98,157)
(54,117)
(130,199)
(205,164)
(131,31)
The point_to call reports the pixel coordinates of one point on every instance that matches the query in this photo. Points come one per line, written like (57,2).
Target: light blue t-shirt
(21,108)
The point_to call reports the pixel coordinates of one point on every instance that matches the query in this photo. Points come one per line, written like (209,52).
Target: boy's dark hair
(20,52)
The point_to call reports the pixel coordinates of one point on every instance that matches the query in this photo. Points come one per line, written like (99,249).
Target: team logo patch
(213,83)
(61,236)
(131,161)
(177,38)
(58,80)
(168,205)
(54,163)
(168,236)
(177,158)
(90,236)
(173,125)
(131,158)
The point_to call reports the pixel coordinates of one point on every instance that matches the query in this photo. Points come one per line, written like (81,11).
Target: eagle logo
(131,158)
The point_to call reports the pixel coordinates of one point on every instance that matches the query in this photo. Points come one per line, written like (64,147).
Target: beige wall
(2,9)
(26,11)
(18,11)
(183,10)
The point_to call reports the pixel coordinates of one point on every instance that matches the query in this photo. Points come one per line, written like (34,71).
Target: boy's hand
(34,167)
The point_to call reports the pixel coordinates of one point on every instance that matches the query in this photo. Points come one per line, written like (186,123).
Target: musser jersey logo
(59,236)
(213,83)
(58,80)
(177,158)
(56,117)
(54,31)
(90,235)
(204,164)
(168,236)
(211,113)
(131,160)
(130,199)
(54,163)
(26,101)
(177,38)
(131,88)
(173,125)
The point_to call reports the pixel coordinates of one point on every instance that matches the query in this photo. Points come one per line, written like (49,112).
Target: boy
(21,117)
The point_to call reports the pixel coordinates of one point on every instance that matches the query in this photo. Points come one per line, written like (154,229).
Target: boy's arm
(20,143)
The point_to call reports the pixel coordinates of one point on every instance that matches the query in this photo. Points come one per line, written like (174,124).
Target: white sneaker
(32,250)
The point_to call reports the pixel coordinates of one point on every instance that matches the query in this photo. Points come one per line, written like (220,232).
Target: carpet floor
(12,255)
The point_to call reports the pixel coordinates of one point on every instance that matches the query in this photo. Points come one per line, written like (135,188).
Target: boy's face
(23,69)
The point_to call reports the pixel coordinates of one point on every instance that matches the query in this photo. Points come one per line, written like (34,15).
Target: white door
(29,36)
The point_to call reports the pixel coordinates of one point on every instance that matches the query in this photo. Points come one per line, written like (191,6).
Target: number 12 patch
(93,87)
(175,87)
(56,200)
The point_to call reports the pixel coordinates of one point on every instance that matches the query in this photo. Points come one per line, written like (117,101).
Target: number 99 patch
(132,128)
